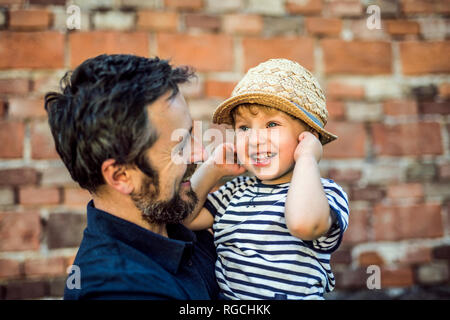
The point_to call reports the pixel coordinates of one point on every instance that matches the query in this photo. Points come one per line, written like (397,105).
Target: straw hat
(284,85)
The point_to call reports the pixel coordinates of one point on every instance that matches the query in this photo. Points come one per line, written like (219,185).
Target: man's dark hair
(101,113)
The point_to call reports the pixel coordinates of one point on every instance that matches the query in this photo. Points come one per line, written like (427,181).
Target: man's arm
(307,211)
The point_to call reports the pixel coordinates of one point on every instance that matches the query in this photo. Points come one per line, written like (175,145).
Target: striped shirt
(257,256)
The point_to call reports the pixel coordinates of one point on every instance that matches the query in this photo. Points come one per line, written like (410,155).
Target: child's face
(266,142)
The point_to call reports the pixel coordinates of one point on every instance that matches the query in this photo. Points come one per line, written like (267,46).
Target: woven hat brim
(222,114)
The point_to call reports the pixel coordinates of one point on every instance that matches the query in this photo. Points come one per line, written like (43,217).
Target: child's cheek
(241,149)
(286,155)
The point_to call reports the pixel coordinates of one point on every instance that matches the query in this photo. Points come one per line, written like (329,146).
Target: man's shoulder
(108,270)
(109,255)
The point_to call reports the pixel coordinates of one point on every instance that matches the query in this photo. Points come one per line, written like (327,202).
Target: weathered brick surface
(65,230)
(34,50)
(19,231)
(407,222)
(206,52)
(12,134)
(357,57)
(110,42)
(387,90)
(257,50)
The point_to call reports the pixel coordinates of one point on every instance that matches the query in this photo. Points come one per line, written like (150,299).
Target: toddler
(274,231)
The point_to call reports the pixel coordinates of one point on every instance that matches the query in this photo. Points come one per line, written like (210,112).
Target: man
(112,125)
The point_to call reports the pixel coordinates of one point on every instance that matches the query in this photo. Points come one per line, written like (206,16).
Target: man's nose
(198,153)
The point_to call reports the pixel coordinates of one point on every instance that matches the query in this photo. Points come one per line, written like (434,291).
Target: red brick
(76,196)
(442,252)
(358,227)
(402,27)
(400,107)
(2,109)
(357,57)
(12,134)
(42,143)
(415,255)
(36,19)
(336,110)
(18,177)
(444,90)
(435,107)
(341,91)
(11,2)
(351,141)
(310,7)
(323,26)
(45,267)
(248,24)
(184,4)
(202,21)
(405,191)
(425,57)
(444,171)
(38,195)
(10,268)
(344,8)
(219,89)
(396,278)
(21,290)
(370,258)
(157,20)
(70,260)
(407,139)
(344,175)
(71,237)
(341,256)
(351,279)
(205,52)
(48,2)
(425,6)
(368,193)
(32,50)
(84,45)
(19,231)
(299,49)
(392,223)
(23,108)
(14,86)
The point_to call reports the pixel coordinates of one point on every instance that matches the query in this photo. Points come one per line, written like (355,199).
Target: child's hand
(308,145)
(224,160)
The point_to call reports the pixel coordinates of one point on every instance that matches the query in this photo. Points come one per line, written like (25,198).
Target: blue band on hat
(311,116)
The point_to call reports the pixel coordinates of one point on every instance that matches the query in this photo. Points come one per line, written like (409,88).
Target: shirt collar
(167,252)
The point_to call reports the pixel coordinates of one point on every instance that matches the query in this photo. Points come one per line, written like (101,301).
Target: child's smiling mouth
(262,159)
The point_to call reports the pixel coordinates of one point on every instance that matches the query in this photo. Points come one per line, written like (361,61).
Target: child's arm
(205,178)
(307,211)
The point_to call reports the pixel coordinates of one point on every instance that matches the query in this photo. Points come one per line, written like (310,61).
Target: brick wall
(388,94)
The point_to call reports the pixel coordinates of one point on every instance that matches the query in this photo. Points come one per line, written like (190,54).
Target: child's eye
(243,128)
(272,124)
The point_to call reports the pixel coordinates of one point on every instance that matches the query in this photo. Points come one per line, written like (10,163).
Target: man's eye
(272,124)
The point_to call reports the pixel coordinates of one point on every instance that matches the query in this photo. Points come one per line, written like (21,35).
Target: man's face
(165,198)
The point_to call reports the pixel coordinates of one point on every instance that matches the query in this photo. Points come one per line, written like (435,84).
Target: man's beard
(161,212)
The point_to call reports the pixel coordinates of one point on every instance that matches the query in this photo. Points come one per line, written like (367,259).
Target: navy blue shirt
(118,259)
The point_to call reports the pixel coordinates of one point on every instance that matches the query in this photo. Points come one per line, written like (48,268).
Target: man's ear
(117,176)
